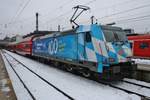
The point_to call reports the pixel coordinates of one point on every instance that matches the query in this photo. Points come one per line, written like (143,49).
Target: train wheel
(56,64)
(69,68)
(86,73)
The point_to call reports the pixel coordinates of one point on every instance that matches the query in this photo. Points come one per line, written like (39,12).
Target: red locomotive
(140,45)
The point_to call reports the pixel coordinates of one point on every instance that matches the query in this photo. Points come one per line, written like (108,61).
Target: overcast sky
(18,16)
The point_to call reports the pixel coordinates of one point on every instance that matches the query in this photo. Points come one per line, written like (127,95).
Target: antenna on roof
(92,19)
(58,28)
(75,15)
(37,24)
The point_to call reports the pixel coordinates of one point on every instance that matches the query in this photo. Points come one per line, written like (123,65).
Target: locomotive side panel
(141,48)
(62,47)
(140,45)
(66,47)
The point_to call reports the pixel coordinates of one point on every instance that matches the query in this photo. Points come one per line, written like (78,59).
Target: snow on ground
(137,82)
(19,89)
(142,61)
(76,86)
(41,90)
(134,88)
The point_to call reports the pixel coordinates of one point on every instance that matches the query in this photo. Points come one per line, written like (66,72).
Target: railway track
(28,90)
(114,85)
(118,85)
(41,78)
(138,84)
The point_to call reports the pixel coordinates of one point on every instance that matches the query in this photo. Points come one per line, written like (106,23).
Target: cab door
(86,51)
(90,53)
(80,46)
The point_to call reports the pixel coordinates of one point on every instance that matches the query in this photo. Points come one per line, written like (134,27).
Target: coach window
(144,45)
(27,46)
(88,37)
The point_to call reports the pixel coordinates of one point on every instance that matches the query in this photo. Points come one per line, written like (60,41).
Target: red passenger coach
(12,46)
(140,45)
(24,47)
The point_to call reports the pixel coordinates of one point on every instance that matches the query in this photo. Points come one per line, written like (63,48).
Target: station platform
(144,67)
(6,89)
(143,72)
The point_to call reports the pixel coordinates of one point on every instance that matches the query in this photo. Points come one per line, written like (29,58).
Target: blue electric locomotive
(101,49)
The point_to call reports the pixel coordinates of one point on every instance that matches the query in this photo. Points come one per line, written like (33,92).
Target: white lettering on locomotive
(53,46)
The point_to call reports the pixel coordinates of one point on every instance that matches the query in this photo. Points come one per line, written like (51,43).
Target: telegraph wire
(64,14)
(125,11)
(19,13)
(139,17)
(121,12)
(133,20)
(132,14)
(56,18)
(88,3)
(61,6)
(91,1)
(118,4)
(14,21)
(22,20)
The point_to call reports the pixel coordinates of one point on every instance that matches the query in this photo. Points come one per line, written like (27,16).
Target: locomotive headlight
(129,58)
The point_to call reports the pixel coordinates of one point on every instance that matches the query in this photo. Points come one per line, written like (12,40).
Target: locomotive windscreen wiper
(116,36)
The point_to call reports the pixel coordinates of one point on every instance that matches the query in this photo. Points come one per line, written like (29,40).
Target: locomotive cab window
(144,45)
(131,45)
(88,37)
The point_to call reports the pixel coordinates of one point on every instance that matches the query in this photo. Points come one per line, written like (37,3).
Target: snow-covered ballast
(88,48)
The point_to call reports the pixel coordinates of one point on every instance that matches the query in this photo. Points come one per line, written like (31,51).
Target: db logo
(53,46)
